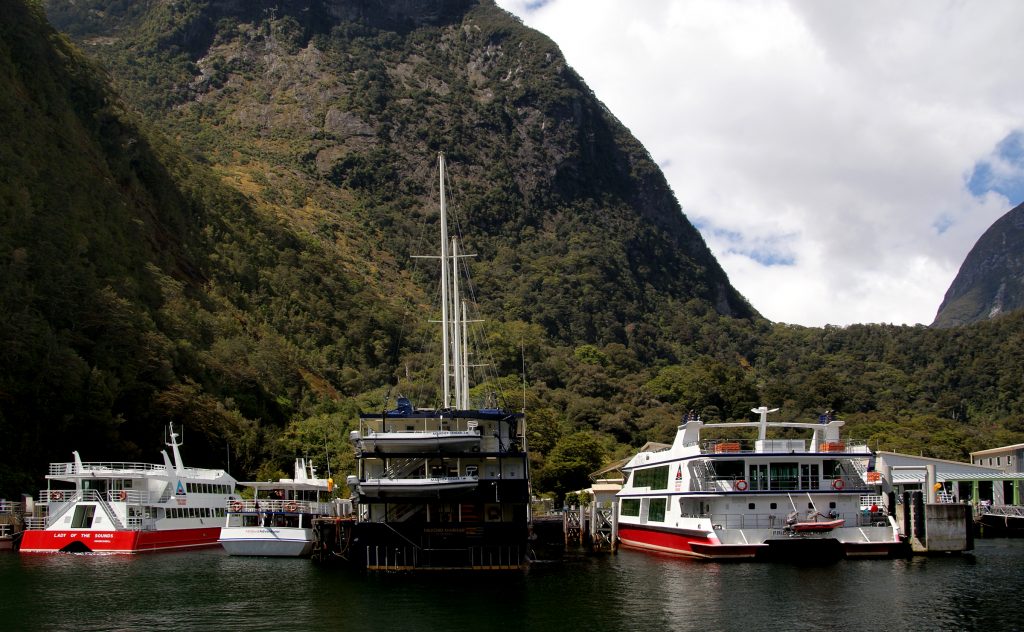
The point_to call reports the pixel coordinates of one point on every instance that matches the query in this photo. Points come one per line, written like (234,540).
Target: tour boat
(128,507)
(278,520)
(763,498)
(446,486)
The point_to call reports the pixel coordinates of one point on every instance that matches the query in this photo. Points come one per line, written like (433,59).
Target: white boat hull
(267,541)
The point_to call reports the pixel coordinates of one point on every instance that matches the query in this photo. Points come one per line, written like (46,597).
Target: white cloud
(837,138)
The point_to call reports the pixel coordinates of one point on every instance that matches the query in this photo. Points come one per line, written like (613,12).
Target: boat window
(656,510)
(83,517)
(630,507)
(730,470)
(809,476)
(751,506)
(783,475)
(652,477)
(773,506)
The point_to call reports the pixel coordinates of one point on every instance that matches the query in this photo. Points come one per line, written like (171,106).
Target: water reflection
(630,591)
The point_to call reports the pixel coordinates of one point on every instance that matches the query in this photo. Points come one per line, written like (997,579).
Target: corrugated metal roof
(917,476)
(1005,448)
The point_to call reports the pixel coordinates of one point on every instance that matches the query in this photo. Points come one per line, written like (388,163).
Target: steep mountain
(207,212)
(138,289)
(208,219)
(328,114)
(991,280)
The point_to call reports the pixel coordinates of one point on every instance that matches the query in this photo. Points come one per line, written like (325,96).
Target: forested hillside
(209,214)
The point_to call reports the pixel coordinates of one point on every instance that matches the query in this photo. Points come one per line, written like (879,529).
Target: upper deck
(125,469)
(825,441)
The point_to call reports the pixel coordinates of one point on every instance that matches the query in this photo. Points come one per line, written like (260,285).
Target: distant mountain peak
(991,280)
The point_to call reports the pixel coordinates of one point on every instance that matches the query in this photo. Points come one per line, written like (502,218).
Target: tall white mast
(464,353)
(446,368)
(457,340)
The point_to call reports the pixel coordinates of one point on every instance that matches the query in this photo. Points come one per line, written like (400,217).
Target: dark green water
(208,590)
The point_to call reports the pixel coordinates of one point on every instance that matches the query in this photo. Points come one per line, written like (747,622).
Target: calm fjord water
(207,590)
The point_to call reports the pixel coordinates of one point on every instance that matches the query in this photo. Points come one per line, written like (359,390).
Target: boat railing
(117,469)
(709,482)
(750,446)
(109,467)
(267,505)
(58,497)
(35,523)
(1013,511)
(428,479)
(10,507)
(778,520)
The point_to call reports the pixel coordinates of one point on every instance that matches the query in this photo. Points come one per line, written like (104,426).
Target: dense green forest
(209,211)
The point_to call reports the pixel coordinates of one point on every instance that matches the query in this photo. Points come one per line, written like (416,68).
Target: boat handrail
(71,469)
(268,505)
(1003,510)
(35,523)
(119,469)
(726,447)
(778,520)
(432,479)
(10,507)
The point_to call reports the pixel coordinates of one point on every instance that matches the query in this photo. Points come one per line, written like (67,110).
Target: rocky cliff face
(991,279)
(328,114)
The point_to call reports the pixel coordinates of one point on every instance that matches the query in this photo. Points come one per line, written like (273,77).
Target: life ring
(236,505)
(741,486)
(56,495)
(838,484)
(290,506)
(122,495)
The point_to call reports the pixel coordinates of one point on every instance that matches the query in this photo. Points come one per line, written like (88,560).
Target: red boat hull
(117,541)
(682,543)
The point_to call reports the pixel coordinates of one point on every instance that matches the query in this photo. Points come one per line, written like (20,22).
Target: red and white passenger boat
(128,507)
(763,498)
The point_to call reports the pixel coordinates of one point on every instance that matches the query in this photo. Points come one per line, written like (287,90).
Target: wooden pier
(594,527)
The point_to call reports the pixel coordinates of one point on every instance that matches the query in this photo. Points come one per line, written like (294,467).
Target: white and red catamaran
(129,507)
(735,499)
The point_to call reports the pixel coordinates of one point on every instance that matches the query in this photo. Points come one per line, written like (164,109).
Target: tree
(570,463)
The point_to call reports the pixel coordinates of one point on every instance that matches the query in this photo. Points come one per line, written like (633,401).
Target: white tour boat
(769,498)
(128,507)
(278,520)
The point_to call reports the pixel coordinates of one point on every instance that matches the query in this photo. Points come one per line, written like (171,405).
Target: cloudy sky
(840,158)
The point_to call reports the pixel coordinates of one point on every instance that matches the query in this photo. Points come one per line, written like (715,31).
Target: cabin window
(656,511)
(773,506)
(730,470)
(630,507)
(809,476)
(751,506)
(652,477)
(783,475)
(832,505)
(831,468)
